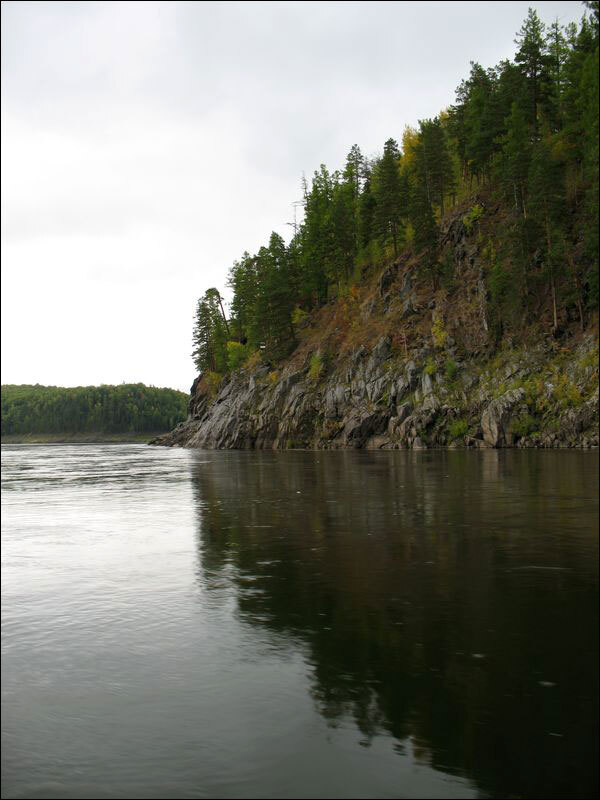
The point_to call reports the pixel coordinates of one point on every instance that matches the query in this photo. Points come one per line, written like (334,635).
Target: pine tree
(589,113)
(344,230)
(202,352)
(516,157)
(435,162)
(210,334)
(547,206)
(425,230)
(388,213)
(317,237)
(534,62)
(354,170)
(557,50)
(366,214)
(274,300)
(242,280)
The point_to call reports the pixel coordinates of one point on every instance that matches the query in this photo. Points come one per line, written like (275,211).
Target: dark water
(209,624)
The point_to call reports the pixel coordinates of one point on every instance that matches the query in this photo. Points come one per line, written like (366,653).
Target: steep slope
(395,362)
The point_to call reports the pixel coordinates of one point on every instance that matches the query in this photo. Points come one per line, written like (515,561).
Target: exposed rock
(383,397)
(382,349)
(426,384)
(387,279)
(496,416)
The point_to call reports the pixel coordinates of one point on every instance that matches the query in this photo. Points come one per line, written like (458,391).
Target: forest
(521,137)
(128,408)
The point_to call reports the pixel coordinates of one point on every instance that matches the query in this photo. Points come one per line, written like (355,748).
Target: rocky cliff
(376,400)
(397,363)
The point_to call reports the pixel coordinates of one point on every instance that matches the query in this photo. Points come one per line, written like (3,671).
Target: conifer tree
(589,114)
(367,206)
(210,334)
(242,280)
(557,51)
(317,236)
(354,170)
(388,213)
(547,206)
(274,300)
(425,230)
(344,231)
(435,162)
(534,62)
(517,153)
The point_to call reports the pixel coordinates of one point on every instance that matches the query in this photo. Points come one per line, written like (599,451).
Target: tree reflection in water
(446,599)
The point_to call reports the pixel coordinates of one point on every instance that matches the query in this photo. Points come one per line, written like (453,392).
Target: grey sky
(145,146)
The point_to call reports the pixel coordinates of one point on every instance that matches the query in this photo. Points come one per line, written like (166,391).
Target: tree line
(128,408)
(523,134)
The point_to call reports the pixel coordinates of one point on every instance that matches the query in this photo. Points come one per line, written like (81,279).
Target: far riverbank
(79,438)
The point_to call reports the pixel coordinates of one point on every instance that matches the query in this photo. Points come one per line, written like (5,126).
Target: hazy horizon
(145,146)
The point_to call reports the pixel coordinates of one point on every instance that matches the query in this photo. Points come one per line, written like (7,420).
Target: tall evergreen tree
(274,300)
(243,281)
(210,334)
(354,170)
(425,230)
(344,230)
(534,62)
(547,206)
(317,236)
(435,163)
(589,114)
(366,213)
(516,157)
(557,50)
(388,212)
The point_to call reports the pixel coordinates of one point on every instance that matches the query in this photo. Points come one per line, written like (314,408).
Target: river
(350,624)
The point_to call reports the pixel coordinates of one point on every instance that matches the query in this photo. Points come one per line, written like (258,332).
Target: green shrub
(316,367)
(458,428)
(566,392)
(236,355)
(253,360)
(299,317)
(213,381)
(473,216)
(523,425)
(451,368)
(430,366)
(589,360)
(534,393)
(438,332)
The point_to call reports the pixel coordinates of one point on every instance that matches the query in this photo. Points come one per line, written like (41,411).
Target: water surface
(341,624)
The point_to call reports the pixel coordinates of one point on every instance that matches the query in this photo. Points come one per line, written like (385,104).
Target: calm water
(356,625)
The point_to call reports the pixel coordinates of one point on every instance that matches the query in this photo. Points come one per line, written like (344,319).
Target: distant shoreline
(78,438)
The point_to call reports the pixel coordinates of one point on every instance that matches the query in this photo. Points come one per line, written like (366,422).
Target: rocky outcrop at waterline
(378,399)
(394,362)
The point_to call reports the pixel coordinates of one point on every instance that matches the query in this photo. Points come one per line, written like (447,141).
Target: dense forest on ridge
(521,138)
(128,408)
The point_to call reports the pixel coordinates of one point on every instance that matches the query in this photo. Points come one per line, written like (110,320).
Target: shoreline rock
(386,400)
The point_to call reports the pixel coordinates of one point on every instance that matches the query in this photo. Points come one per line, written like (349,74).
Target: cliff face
(376,400)
(398,364)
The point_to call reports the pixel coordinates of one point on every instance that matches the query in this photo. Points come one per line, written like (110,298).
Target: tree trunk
(579,293)
(552,285)
(224,318)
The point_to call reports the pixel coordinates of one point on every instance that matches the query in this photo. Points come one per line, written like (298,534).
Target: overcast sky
(145,146)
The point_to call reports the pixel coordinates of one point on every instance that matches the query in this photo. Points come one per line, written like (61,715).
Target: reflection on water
(338,624)
(447,599)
